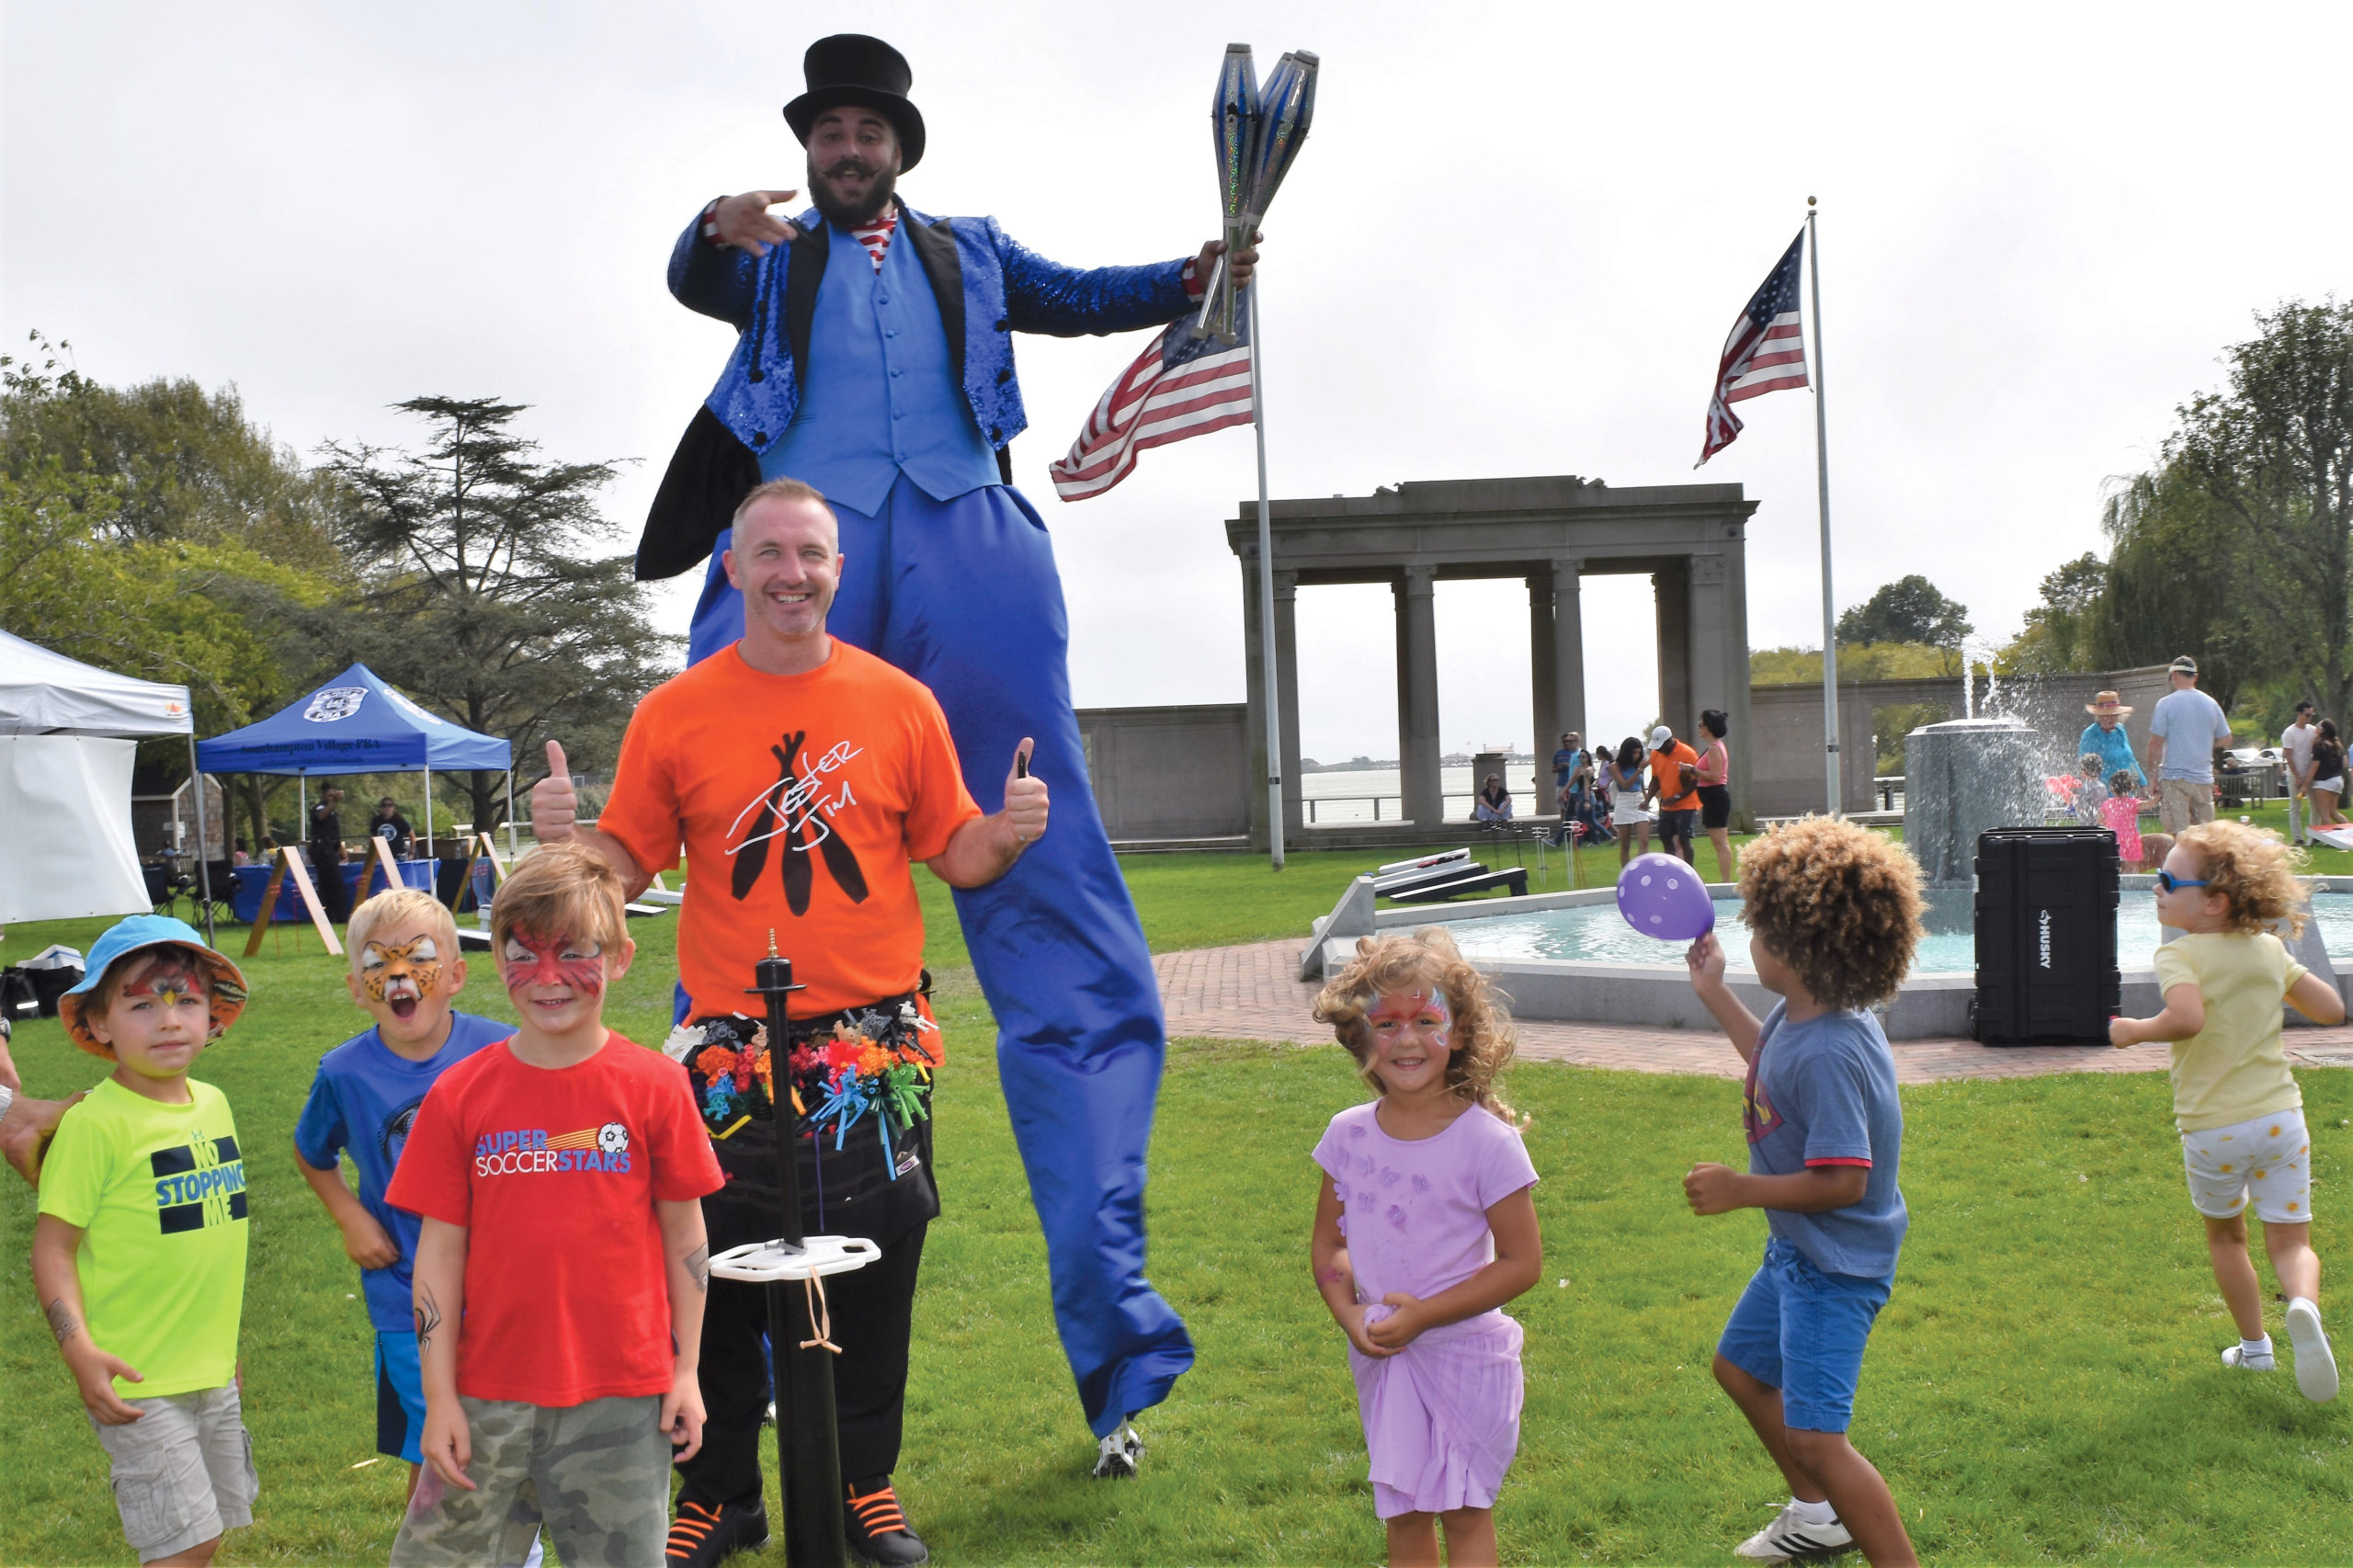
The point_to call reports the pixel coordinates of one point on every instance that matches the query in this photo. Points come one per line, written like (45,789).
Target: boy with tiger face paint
(406,972)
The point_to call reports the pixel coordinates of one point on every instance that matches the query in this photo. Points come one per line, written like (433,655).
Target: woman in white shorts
(1626,813)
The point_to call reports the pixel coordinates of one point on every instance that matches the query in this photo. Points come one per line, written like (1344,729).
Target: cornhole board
(2335,837)
(287,862)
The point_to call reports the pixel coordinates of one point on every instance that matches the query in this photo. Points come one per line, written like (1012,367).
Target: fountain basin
(1559,959)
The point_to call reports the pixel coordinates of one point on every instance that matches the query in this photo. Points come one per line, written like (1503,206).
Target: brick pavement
(1247,992)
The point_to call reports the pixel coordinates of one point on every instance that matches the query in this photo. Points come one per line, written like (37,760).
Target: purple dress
(1441,1417)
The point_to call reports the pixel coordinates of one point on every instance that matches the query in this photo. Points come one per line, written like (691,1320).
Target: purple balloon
(1661,896)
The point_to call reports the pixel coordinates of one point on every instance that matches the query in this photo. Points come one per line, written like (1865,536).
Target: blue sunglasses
(2172,883)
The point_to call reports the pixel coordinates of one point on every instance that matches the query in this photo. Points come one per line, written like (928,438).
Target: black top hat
(851,68)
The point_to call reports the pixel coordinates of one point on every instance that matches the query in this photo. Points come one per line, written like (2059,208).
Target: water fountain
(1960,778)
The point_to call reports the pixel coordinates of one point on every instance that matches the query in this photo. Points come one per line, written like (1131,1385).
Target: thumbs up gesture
(554,805)
(1024,798)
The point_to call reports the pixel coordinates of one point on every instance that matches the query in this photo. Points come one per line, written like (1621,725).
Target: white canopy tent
(69,734)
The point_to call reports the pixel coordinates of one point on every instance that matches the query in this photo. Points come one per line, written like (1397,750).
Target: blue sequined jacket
(987,287)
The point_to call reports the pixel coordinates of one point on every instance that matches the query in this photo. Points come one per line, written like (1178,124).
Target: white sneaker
(1788,1537)
(2315,1364)
(2239,1359)
(1117,1456)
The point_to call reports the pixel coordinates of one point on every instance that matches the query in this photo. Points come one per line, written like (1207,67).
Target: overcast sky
(1513,246)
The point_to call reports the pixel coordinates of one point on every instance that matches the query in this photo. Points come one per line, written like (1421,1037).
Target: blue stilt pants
(963,596)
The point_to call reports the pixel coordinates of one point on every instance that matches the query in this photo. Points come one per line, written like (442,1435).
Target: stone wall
(1163,773)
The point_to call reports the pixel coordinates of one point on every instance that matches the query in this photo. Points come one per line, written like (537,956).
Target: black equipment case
(2046,936)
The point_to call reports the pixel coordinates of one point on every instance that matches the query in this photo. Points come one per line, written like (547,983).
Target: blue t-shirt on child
(363,1101)
(1823,1093)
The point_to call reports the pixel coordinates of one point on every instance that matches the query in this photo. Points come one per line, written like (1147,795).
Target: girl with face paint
(1424,1226)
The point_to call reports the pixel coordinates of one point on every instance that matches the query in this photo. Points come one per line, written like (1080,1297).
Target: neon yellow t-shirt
(2235,1069)
(159,1194)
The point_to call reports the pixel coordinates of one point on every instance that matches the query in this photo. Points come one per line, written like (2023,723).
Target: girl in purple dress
(1425,1227)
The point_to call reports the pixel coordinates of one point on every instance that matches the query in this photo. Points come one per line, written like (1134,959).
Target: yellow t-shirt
(2234,1069)
(158,1192)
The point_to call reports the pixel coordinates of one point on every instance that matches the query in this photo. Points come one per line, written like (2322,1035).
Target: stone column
(1417,741)
(1672,596)
(1543,689)
(1704,636)
(1568,653)
(1287,693)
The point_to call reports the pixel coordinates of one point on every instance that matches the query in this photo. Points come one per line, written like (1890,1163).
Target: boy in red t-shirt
(558,1177)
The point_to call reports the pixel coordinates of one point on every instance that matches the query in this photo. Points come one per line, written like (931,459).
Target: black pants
(874,1312)
(326,872)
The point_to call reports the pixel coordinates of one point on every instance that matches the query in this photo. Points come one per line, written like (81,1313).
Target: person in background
(326,857)
(1631,814)
(392,828)
(2184,729)
(1495,801)
(1714,779)
(242,857)
(1572,782)
(2327,776)
(2121,814)
(2087,791)
(1674,769)
(2296,747)
(2106,739)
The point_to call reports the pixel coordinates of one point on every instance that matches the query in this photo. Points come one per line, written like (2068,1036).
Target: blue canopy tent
(356,724)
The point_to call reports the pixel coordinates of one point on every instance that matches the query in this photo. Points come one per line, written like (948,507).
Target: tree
(1909,609)
(154,531)
(2057,634)
(480,593)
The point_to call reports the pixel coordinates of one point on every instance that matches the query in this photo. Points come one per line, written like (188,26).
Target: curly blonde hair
(2252,870)
(1839,903)
(1482,1040)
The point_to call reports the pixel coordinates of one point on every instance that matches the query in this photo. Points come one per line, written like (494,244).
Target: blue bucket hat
(224,986)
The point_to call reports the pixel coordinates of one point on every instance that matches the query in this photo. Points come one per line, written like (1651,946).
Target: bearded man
(874,362)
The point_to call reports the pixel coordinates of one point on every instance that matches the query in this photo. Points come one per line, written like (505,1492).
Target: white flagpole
(1821,473)
(1267,600)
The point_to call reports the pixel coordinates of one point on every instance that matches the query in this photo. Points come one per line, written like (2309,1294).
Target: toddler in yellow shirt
(2236,1104)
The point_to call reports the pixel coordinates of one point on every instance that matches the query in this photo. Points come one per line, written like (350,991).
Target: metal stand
(808,1446)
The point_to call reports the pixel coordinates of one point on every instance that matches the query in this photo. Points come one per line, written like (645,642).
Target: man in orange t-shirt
(1674,790)
(804,777)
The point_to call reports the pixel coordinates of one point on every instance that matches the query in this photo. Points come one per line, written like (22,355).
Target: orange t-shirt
(801,800)
(1668,776)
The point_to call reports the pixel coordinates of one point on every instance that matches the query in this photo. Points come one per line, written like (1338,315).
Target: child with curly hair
(2236,1104)
(1425,1227)
(1834,913)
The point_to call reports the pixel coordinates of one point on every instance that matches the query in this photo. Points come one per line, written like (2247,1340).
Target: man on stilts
(874,362)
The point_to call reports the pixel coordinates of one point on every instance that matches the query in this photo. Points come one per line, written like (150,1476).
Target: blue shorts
(1801,1330)
(400,1397)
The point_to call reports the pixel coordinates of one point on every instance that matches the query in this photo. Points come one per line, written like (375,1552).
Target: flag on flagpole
(1179,386)
(1765,353)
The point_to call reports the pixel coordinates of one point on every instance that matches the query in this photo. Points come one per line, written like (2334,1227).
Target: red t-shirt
(555,1171)
(801,800)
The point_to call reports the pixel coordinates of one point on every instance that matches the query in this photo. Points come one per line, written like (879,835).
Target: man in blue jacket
(874,361)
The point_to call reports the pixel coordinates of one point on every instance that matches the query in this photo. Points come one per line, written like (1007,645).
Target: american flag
(1765,353)
(1179,386)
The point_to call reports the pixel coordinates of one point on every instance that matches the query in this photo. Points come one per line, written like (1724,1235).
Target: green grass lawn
(2043,1387)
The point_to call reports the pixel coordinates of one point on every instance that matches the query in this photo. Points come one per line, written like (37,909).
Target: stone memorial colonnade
(1549,533)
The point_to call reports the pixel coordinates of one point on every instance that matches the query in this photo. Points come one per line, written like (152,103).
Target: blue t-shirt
(1565,762)
(1821,1093)
(2192,725)
(363,1102)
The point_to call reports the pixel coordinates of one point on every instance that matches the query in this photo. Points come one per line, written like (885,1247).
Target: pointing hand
(744,221)
(1025,797)
(554,805)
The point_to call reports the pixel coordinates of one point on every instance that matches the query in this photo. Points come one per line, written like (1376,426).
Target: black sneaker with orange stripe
(876,1526)
(701,1535)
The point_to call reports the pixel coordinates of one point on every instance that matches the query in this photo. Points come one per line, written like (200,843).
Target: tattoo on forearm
(61,1321)
(698,1269)
(428,1318)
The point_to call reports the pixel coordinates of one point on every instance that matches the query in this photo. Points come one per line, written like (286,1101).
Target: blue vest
(879,394)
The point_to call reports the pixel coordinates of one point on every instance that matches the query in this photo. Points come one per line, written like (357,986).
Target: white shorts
(2268,1158)
(1628,816)
(2333,786)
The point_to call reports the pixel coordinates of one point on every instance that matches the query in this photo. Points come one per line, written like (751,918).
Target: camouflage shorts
(597,1474)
